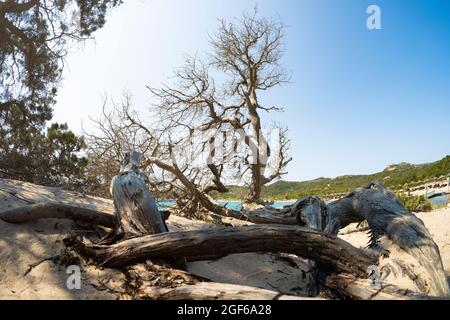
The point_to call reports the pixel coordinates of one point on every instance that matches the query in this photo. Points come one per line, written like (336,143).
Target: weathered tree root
(57,210)
(388,219)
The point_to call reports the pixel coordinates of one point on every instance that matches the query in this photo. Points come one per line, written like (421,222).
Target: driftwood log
(214,291)
(352,287)
(48,210)
(393,230)
(212,243)
(29,202)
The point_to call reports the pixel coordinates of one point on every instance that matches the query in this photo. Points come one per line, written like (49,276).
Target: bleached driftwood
(388,219)
(22,202)
(136,211)
(214,291)
(48,210)
(357,288)
(212,243)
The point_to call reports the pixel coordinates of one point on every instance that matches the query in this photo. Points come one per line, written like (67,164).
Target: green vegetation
(414,203)
(49,158)
(397,177)
(35,37)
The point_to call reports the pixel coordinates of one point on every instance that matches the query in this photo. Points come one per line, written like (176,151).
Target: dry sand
(26,244)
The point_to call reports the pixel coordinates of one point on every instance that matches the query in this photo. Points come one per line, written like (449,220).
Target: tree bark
(214,291)
(311,212)
(136,211)
(389,220)
(359,289)
(327,249)
(57,210)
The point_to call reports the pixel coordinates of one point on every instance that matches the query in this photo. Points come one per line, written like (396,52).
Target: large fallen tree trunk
(327,249)
(393,230)
(386,216)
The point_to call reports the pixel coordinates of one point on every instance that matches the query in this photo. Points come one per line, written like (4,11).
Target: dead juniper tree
(247,54)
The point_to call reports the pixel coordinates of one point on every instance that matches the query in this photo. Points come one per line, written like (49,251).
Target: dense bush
(414,203)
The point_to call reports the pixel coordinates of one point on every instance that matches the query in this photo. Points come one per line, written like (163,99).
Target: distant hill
(396,176)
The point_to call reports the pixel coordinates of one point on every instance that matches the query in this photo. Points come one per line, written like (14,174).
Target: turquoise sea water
(439,200)
(234,205)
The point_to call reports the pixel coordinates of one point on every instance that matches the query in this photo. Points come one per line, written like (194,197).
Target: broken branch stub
(136,210)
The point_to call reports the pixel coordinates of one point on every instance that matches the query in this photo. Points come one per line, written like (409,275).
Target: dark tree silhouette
(35,36)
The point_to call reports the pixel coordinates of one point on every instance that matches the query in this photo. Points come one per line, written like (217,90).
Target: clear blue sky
(359,99)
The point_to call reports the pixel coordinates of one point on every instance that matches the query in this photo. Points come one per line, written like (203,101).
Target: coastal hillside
(397,176)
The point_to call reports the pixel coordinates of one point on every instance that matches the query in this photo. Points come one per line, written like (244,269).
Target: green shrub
(414,203)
